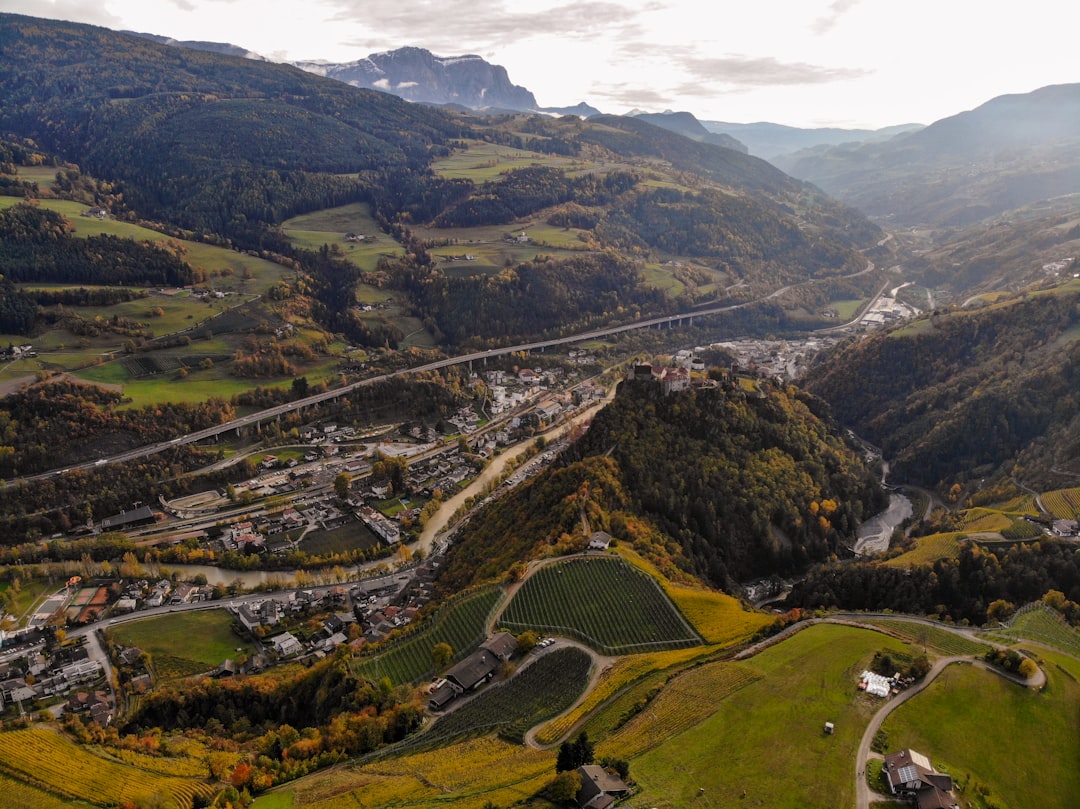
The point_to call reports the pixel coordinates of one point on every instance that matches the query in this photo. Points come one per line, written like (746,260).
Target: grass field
(351,536)
(602,601)
(461,623)
(185,643)
(684,701)
(764,745)
(1020,744)
(483,161)
(329,227)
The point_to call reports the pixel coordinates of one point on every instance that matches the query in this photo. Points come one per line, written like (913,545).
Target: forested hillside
(966,394)
(223,149)
(720,482)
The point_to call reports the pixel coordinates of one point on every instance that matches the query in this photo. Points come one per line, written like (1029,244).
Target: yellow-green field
(52,765)
(929,549)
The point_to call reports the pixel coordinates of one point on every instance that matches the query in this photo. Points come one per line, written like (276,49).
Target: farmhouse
(911,775)
(599,541)
(474,670)
(599,788)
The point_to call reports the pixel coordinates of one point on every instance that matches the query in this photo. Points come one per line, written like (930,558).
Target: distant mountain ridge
(416,74)
(1012,151)
(687,124)
(772,141)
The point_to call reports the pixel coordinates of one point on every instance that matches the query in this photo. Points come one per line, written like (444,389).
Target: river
(873,535)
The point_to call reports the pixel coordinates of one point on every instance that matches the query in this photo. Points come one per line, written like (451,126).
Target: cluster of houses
(911,775)
(42,673)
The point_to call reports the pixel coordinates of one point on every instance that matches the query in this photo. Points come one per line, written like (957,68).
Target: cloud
(631,96)
(86,11)
(456,26)
(762,71)
(837,10)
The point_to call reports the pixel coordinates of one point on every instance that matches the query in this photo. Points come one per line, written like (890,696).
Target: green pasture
(44,176)
(186,642)
(483,161)
(353,218)
(352,536)
(274,800)
(765,743)
(846,309)
(661,277)
(224,268)
(364,255)
(1021,744)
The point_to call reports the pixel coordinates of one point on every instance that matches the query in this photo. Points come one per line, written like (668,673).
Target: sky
(807,63)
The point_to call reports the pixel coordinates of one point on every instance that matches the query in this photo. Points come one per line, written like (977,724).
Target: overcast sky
(851,63)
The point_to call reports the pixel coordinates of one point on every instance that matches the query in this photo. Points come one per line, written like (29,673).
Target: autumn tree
(442,653)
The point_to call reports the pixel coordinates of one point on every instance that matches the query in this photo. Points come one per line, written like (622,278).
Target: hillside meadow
(993,736)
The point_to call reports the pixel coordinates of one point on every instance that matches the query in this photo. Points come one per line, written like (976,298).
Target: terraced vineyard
(544,688)
(1042,625)
(932,637)
(1063,503)
(461,623)
(603,602)
(31,756)
(18,795)
(928,549)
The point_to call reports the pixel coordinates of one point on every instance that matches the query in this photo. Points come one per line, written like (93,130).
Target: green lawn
(185,643)
(1022,745)
(484,161)
(20,600)
(765,745)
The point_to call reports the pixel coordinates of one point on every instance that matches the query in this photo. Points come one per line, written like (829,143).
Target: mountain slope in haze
(967,394)
(780,144)
(416,74)
(686,124)
(1011,151)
